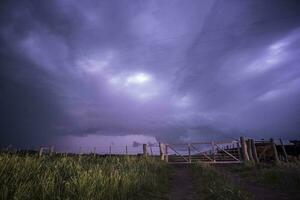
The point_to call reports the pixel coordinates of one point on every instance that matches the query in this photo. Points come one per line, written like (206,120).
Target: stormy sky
(170,70)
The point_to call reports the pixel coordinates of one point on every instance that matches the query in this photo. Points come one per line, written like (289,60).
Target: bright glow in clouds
(139,78)
(273,56)
(139,85)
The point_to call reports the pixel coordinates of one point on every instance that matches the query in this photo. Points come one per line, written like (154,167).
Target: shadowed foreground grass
(209,184)
(285,176)
(30,177)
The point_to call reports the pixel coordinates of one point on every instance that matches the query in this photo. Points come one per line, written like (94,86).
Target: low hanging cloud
(173,70)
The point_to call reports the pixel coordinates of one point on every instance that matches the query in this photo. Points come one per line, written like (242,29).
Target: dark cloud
(176,70)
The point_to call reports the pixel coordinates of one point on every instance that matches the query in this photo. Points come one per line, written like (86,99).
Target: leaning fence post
(284,151)
(249,150)
(151,151)
(274,150)
(244,149)
(254,151)
(145,150)
(41,151)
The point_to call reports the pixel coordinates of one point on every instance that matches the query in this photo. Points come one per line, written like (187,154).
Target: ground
(259,192)
(183,189)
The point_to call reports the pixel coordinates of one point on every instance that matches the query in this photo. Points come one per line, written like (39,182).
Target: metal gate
(208,152)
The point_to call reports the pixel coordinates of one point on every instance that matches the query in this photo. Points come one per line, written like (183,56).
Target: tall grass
(210,184)
(30,177)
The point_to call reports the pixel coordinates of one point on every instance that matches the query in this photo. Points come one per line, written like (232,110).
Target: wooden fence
(234,151)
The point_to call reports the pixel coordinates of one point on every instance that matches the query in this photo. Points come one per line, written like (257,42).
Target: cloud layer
(175,70)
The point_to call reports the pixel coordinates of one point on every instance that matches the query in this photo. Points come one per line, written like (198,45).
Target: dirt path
(182,188)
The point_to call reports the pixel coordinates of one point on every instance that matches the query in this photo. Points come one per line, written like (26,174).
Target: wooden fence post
(151,152)
(244,149)
(161,151)
(110,151)
(52,152)
(249,150)
(274,150)
(254,152)
(126,150)
(41,151)
(284,151)
(80,151)
(166,153)
(213,151)
(145,150)
(239,149)
(65,152)
(94,154)
(189,151)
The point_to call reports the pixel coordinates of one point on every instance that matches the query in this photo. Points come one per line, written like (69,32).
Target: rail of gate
(208,152)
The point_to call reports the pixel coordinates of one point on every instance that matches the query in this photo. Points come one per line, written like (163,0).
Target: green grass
(210,184)
(30,177)
(285,176)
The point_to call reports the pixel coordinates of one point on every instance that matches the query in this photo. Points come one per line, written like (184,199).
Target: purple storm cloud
(173,70)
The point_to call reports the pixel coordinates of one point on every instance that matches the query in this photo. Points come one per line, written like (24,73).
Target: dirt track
(182,188)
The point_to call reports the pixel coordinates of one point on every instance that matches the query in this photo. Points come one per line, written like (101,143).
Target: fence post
(189,151)
(80,153)
(254,152)
(126,150)
(52,151)
(249,150)
(161,151)
(110,151)
(94,151)
(274,150)
(151,152)
(239,149)
(244,149)
(41,151)
(213,151)
(284,151)
(145,150)
(167,154)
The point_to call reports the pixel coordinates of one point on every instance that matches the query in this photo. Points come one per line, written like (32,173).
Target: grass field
(25,177)
(31,177)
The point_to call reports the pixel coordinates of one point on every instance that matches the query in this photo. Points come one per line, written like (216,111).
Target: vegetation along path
(205,182)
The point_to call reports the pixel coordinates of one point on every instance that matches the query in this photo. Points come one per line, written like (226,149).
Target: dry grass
(30,177)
